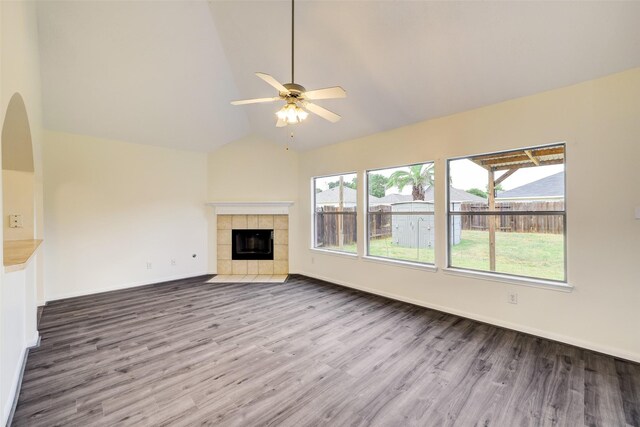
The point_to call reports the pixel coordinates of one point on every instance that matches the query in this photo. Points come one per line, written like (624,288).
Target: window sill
(400,263)
(335,253)
(504,278)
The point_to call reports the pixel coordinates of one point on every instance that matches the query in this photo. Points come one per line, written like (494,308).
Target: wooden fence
(380,221)
(549,224)
(328,222)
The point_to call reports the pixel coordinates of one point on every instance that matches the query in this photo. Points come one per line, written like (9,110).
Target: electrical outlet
(512,298)
(173,261)
(15,221)
(149,266)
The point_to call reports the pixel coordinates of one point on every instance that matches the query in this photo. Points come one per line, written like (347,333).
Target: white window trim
(400,263)
(511,279)
(313,217)
(562,286)
(392,261)
(336,253)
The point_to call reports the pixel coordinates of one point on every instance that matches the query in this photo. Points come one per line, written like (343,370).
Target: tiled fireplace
(280,226)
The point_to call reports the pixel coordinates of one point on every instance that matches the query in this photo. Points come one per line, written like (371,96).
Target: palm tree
(418,176)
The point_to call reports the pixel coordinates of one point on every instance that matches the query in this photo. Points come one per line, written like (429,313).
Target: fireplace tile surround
(280,263)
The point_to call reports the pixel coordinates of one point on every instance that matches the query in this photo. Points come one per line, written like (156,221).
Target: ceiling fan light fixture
(293,93)
(292,114)
(302,114)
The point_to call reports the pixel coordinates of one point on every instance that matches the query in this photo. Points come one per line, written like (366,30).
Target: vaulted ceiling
(164,72)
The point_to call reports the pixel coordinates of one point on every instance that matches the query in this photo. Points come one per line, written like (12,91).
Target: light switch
(15,221)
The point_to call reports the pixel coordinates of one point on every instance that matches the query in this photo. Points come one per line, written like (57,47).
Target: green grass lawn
(385,248)
(524,254)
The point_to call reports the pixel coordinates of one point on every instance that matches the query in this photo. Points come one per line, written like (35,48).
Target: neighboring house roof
(350,196)
(332,196)
(550,186)
(456,195)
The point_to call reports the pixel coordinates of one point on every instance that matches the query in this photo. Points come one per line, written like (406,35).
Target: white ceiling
(163,73)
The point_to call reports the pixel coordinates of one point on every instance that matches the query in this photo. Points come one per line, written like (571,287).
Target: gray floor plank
(307,353)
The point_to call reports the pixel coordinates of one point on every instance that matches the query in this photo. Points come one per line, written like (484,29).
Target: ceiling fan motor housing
(295,90)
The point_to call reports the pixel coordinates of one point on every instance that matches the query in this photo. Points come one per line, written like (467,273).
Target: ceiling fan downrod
(292,38)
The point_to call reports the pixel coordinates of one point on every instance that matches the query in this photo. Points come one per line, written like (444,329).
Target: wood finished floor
(304,353)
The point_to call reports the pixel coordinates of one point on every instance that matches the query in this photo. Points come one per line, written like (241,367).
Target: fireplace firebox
(252,244)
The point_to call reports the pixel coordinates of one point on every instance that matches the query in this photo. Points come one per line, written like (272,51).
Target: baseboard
(615,352)
(123,286)
(34,342)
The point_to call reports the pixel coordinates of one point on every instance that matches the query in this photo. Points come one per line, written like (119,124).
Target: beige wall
(599,122)
(17,198)
(113,206)
(20,73)
(252,169)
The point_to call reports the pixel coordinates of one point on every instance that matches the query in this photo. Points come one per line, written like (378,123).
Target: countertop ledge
(18,253)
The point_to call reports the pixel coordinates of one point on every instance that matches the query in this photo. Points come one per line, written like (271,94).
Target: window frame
(501,276)
(431,266)
(314,234)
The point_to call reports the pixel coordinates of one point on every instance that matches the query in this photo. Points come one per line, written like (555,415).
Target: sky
(323,183)
(464,175)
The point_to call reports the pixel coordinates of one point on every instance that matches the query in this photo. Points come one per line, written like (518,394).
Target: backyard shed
(414,226)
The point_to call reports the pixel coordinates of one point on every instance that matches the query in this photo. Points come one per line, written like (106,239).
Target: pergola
(510,162)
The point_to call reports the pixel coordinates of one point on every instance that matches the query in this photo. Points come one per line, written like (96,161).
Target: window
(400,220)
(335,201)
(506,213)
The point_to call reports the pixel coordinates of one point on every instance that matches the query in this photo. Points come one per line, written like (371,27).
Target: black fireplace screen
(252,244)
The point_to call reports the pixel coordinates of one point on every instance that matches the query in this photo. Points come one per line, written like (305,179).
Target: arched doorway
(17,173)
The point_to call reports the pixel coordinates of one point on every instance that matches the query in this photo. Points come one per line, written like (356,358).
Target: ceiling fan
(296,97)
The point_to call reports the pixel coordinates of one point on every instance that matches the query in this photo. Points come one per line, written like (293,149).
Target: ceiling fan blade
(281,123)
(326,93)
(254,101)
(322,112)
(273,82)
